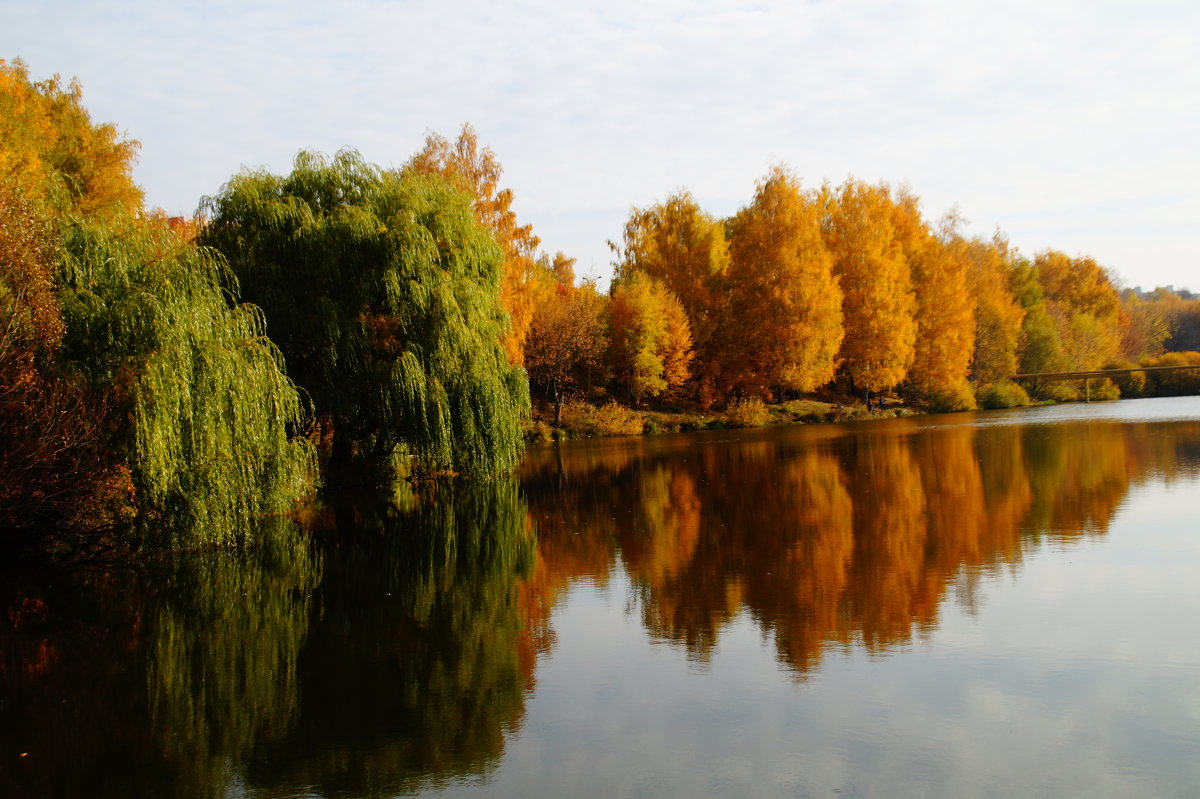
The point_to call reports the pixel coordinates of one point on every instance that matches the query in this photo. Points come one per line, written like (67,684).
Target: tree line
(849,289)
(189,377)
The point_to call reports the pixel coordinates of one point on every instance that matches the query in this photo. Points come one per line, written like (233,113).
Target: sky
(1070,124)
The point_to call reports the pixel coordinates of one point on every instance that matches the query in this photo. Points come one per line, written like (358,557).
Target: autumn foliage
(425,315)
(785,322)
(476,170)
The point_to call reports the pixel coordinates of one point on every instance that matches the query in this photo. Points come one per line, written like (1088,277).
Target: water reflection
(831,537)
(389,657)
(150,682)
(417,665)
(395,651)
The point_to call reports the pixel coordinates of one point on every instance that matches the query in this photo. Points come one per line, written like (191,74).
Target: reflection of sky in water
(1072,674)
(1161,409)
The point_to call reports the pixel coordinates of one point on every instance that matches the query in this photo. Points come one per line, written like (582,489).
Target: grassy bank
(584,420)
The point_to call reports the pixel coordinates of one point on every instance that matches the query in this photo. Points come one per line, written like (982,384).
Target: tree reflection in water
(830,537)
(413,673)
(394,650)
(399,664)
(151,681)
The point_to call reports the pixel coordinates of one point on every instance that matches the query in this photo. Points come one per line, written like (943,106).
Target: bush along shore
(581,419)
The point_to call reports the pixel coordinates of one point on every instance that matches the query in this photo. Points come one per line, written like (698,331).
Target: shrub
(956,398)
(1002,395)
(612,419)
(617,420)
(1174,384)
(578,416)
(748,412)
(849,413)
(1103,390)
(1130,385)
(536,431)
(1059,392)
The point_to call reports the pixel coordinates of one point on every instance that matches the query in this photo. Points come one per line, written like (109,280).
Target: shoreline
(586,421)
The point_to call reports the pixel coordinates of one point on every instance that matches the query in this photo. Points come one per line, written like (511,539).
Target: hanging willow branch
(383,292)
(150,320)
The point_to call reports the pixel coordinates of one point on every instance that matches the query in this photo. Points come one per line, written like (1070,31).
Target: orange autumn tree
(784,325)
(477,170)
(567,335)
(1085,307)
(682,247)
(945,311)
(879,306)
(48,141)
(650,338)
(998,321)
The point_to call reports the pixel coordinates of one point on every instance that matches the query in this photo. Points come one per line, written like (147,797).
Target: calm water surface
(995,604)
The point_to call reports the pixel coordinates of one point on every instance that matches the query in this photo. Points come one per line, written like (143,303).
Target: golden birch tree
(878,305)
(682,247)
(784,325)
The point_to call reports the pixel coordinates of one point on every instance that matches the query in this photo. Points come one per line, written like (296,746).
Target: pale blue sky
(1071,125)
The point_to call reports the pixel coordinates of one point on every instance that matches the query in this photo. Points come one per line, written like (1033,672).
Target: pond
(985,604)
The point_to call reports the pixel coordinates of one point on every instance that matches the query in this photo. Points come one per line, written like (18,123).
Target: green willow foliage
(152,322)
(383,292)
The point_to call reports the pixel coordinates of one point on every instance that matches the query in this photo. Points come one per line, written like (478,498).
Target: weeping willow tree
(383,292)
(201,404)
(132,383)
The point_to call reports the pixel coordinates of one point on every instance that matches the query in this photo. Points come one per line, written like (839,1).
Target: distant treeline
(190,376)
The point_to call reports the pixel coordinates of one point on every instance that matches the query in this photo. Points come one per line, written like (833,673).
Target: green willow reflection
(392,656)
(414,671)
(837,537)
(150,682)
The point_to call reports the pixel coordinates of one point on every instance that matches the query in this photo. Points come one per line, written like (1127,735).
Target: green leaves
(383,292)
(149,320)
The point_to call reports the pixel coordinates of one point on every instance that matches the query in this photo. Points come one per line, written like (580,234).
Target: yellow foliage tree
(998,315)
(477,170)
(1085,307)
(878,306)
(651,340)
(682,247)
(784,325)
(945,312)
